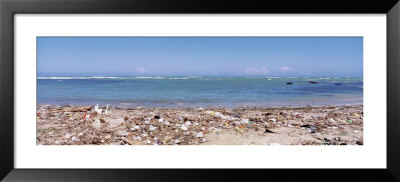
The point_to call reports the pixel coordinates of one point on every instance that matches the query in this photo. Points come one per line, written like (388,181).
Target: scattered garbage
(356,115)
(184,128)
(312,128)
(75,125)
(135,128)
(152,128)
(331,121)
(199,135)
(327,141)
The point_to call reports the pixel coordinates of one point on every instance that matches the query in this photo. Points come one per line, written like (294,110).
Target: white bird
(106,110)
(96,108)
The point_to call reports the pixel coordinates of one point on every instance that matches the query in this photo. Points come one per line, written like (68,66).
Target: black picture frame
(8,8)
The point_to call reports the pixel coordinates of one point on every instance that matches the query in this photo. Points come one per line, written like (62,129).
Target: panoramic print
(199,91)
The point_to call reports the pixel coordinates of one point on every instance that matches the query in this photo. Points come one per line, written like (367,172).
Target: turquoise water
(199,91)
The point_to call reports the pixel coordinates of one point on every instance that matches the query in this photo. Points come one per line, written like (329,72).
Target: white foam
(62,78)
(150,77)
(69,78)
(179,78)
(104,77)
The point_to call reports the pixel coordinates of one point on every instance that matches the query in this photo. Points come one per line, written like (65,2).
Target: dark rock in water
(157,117)
(359,143)
(66,105)
(289,83)
(338,84)
(312,82)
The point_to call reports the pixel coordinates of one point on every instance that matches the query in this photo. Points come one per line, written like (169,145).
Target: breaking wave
(81,77)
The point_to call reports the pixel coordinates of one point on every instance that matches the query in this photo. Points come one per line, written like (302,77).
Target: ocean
(179,92)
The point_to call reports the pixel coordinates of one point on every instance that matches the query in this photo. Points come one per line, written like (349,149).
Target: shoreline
(306,125)
(182,106)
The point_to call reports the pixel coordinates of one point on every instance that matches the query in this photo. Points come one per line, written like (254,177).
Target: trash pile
(76,125)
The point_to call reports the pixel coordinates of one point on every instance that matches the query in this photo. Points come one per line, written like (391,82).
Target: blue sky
(200,56)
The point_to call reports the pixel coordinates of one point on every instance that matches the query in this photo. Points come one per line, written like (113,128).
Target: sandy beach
(85,125)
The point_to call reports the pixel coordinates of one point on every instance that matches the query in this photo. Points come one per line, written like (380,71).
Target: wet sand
(83,125)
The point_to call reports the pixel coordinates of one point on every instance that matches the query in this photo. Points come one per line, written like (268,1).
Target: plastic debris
(107,137)
(199,135)
(312,128)
(331,121)
(184,128)
(76,125)
(245,121)
(152,128)
(135,128)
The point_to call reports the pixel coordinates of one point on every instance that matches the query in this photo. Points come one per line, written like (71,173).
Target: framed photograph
(116,91)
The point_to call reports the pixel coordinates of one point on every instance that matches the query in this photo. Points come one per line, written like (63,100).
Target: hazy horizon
(116,76)
(200,56)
